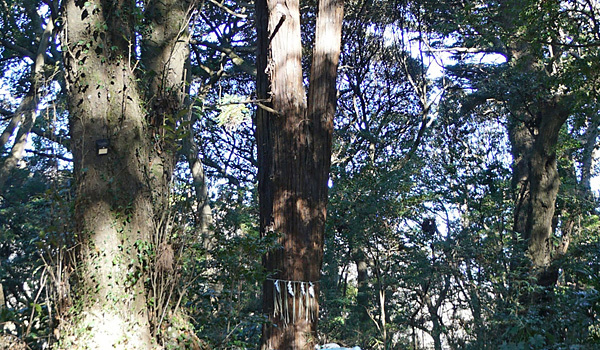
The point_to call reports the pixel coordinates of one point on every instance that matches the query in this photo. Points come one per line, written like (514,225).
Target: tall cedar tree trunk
(533,136)
(121,194)
(294,149)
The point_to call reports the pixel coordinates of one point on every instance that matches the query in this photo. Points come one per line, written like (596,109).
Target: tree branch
(19,49)
(47,155)
(228,10)
(232,55)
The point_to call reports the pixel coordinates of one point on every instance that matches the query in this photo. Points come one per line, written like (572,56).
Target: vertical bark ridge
(294,150)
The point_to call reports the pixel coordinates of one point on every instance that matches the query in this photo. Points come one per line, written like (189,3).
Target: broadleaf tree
(538,76)
(122,195)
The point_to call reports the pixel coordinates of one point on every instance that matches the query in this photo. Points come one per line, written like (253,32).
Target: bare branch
(232,55)
(49,155)
(228,10)
(27,110)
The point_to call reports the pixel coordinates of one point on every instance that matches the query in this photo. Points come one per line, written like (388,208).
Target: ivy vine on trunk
(121,196)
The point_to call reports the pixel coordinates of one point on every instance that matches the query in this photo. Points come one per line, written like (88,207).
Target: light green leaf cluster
(233,111)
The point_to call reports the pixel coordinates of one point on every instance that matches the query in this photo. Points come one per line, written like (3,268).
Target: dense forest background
(463,206)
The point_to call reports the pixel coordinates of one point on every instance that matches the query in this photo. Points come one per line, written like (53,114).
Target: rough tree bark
(536,182)
(533,134)
(120,195)
(293,135)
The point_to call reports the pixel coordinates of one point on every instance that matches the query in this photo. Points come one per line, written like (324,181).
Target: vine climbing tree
(131,107)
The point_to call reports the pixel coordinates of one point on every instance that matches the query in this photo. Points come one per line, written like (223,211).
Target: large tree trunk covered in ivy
(294,148)
(121,195)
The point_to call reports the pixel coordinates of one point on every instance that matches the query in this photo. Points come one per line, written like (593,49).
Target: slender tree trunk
(383,315)
(437,329)
(204,217)
(436,333)
(2,299)
(362,284)
(589,153)
(294,149)
(122,195)
(26,113)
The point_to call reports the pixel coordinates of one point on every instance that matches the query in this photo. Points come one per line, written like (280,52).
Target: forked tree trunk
(293,137)
(120,194)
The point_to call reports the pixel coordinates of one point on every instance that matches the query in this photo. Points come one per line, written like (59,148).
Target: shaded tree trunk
(121,195)
(533,135)
(293,135)
(536,182)
(204,216)
(362,284)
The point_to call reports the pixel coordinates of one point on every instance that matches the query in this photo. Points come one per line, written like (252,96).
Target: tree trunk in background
(533,136)
(2,299)
(536,182)
(294,148)
(26,113)
(589,154)
(204,217)
(121,195)
(362,284)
